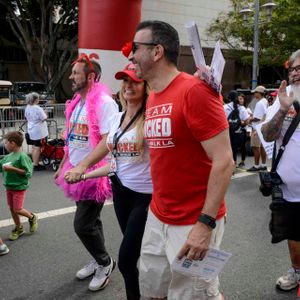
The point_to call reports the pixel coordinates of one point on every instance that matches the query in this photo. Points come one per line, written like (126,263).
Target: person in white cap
(258,116)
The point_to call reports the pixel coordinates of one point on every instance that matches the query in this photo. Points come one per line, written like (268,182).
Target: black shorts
(285,221)
(37,143)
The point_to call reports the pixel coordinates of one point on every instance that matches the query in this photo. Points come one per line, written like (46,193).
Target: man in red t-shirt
(191,166)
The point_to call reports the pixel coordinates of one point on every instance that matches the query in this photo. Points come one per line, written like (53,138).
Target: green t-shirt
(13,180)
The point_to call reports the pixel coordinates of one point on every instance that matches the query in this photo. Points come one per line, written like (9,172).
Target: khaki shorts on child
(160,246)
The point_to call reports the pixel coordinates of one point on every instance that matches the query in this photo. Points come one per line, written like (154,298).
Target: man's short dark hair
(97,69)
(14,136)
(165,35)
(87,66)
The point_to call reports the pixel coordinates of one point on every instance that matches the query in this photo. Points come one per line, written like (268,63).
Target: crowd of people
(166,159)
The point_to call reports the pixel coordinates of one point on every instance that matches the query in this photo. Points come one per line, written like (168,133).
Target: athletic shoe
(3,249)
(16,233)
(253,169)
(39,168)
(87,270)
(101,277)
(289,281)
(33,225)
(241,165)
(261,168)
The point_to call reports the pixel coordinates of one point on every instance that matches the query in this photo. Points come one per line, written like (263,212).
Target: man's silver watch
(207,220)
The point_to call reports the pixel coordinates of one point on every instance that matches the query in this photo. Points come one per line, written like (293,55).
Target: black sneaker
(261,168)
(253,169)
(39,168)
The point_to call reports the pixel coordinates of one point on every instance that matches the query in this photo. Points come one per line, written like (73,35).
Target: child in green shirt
(17,169)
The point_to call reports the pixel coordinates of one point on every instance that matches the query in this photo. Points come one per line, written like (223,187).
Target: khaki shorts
(255,141)
(161,243)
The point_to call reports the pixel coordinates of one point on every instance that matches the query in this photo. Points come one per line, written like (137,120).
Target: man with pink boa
(87,120)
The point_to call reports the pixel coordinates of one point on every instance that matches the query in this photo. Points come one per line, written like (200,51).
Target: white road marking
(46,214)
(71,209)
(242,174)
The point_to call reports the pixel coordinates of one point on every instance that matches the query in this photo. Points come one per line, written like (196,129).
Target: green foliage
(50,45)
(278,37)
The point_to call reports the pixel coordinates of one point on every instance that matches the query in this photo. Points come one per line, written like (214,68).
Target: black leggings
(243,145)
(131,210)
(236,141)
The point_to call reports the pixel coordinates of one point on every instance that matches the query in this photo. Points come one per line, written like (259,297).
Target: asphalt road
(43,265)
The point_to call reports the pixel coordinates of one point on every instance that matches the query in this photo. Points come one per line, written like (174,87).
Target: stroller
(52,152)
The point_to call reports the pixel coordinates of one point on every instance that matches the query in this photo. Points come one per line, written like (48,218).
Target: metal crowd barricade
(13,119)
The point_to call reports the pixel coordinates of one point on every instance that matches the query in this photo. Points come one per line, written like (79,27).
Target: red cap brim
(130,73)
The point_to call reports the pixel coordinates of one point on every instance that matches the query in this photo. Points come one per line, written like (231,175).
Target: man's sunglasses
(135,45)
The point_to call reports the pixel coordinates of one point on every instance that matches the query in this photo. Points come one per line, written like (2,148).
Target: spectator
(116,97)
(258,116)
(279,118)
(237,117)
(36,128)
(272,98)
(242,102)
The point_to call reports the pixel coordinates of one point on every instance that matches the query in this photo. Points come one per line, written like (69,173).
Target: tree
(47,31)
(278,37)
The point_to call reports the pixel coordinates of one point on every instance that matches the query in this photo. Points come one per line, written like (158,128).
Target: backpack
(234,121)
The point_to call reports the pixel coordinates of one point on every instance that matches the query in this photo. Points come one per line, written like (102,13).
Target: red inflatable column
(104,27)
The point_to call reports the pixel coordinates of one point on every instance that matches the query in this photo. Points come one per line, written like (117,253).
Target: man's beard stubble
(79,86)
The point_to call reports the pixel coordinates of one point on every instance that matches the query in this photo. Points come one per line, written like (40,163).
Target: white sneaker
(3,249)
(87,270)
(101,277)
(289,281)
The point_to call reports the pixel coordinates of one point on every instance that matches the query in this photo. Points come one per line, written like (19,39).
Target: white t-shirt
(260,110)
(132,168)
(37,125)
(79,145)
(289,164)
(243,113)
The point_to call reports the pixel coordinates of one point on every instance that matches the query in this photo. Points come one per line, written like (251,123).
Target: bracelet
(207,220)
(82,177)
(207,216)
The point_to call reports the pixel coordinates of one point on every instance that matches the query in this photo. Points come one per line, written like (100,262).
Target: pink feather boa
(94,100)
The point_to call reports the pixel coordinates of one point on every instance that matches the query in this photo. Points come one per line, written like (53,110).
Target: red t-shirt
(185,113)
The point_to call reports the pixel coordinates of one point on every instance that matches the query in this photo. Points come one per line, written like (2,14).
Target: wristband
(207,220)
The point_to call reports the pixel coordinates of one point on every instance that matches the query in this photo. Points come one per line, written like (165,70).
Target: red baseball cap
(129,70)
(273,94)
